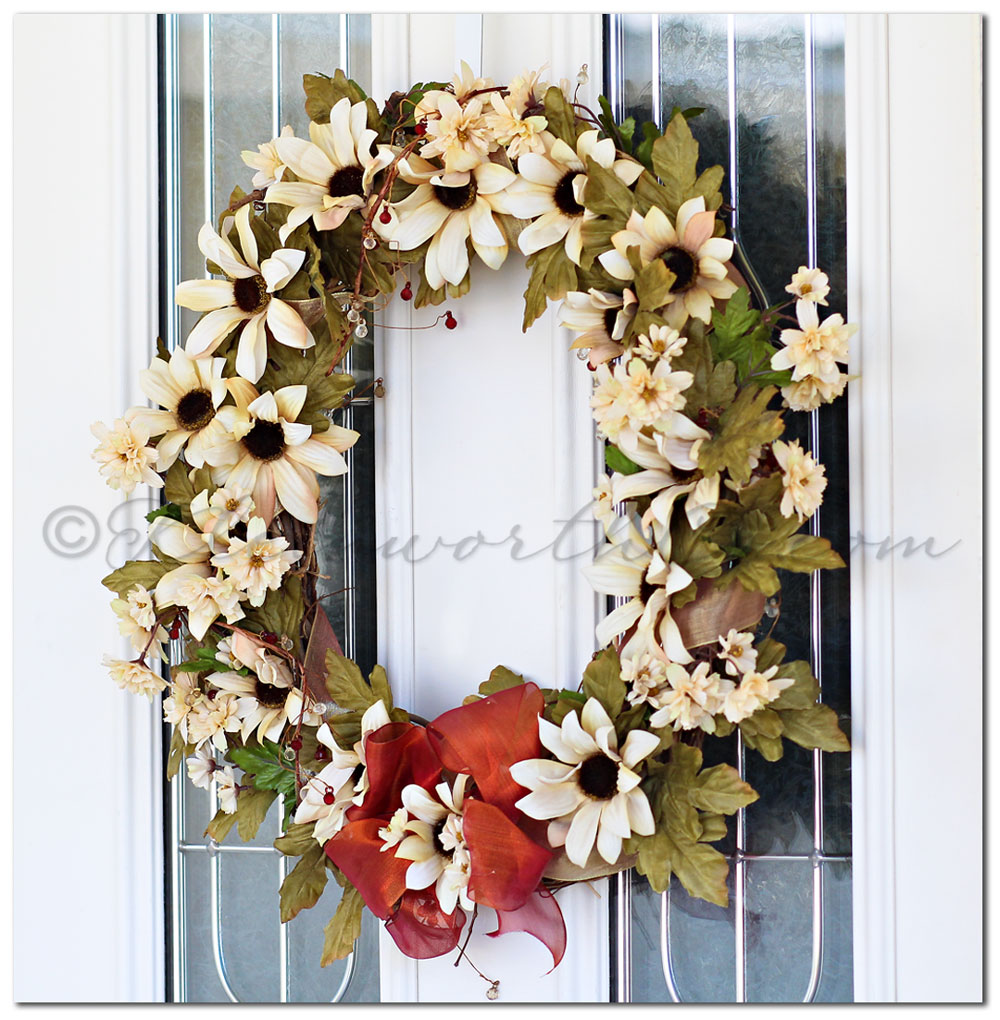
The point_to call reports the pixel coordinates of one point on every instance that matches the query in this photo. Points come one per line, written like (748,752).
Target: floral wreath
(523,789)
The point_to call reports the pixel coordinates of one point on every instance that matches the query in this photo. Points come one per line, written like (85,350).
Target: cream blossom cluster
(692,698)
(803,478)
(126,459)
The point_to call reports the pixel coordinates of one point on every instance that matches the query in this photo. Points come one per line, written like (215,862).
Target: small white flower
(205,595)
(662,342)
(814,349)
(803,478)
(692,700)
(755,690)
(200,767)
(134,677)
(185,695)
(601,319)
(258,564)
(738,651)
(137,621)
(212,718)
(125,456)
(810,285)
(460,134)
(590,792)
(226,788)
(645,675)
(395,832)
(267,160)
(512,129)
(808,393)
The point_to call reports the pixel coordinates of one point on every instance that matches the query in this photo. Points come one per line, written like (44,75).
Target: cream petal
(155,423)
(251,355)
(247,240)
(422,874)
(614,817)
(552,739)
(178,541)
(169,585)
(638,744)
(319,457)
(205,295)
(483,228)
(265,406)
(281,266)
(698,230)
(306,160)
(640,816)
(295,193)
(423,222)
(538,772)
(546,230)
(539,170)
(617,265)
(452,254)
(289,401)
(596,718)
(660,233)
(431,268)
(578,739)
(169,447)
(720,248)
(492,178)
(287,326)
(574,240)
(628,171)
(263,492)
(211,330)
(550,801)
(582,831)
(526,200)
(609,844)
(699,304)
(492,257)
(293,493)
(295,433)
(687,211)
(618,621)
(218,250)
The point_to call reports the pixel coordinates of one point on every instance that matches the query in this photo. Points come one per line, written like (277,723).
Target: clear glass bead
(353,315)
(369,242)
(288,754)
(583,354)
(361,330)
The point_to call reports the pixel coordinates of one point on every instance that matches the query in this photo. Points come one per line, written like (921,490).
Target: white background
(86,826)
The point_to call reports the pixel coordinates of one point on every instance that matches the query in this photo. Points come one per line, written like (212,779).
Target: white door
(484,430)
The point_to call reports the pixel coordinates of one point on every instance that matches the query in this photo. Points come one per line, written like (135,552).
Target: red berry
(406,294)
(322,754)
(420,129)
(269,637)
(385,216)
(328,797)
(175,632)
(450,322)
(295,744)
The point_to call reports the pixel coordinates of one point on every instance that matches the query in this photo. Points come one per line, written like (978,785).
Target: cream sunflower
(334,169)
(190,391)
(257,564)
(273,456)
(450,210)
(551,187)
(591,791)
(125,456)
(601,319)
(248,297)
(690,251)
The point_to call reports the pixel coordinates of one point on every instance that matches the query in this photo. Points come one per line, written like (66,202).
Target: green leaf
(802,694)
(806,553)
(606,194)
(770,653)
(560,116)
(719,790)
(282,610)
(702,871)
(171,510)
(699,556)
(265,766)
(764,722)
(553,275)
(713,827)
(304,884)
(297,840)
(644,150)
(652,285)
(815,727)
(344,928)
(735,321)
(127,576)
(709,185)
(617,461)
(251,810)
(501,678)
(675,160)
(380,687)
(713,384)
(345,684)
(323,93)
(219,826)
(602,679)
(769,747)
(309,369)
(655,854)
(745,425)
(177,753)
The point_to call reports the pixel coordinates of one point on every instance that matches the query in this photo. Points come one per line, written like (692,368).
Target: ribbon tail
(419,928)
(541,917)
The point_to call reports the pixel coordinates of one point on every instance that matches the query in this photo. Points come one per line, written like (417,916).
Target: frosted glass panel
(230,81)
(776,81)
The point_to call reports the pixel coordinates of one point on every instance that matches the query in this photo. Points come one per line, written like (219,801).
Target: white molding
(914,121)
(871,445)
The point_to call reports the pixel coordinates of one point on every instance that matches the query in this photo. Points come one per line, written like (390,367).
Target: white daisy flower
(134,677)
(604,502)
(463,83)
(334,170)
(205,595)
(435,844)
(755,690)
(450,209)
(210,719)
(200,767)
(662,342)
(738,651)
(591,791)
(551,187)
(692,700)
(460,134)
(258,564)
(601,319)
(804,479)
(190,391)
(218,514)
(125,456)
(273,456)
(810,285)
(645,675)
(227,789)
(261,705)
(519,134)
(247,297)
(814,349)
(267,161)
(185,695)
(690,251)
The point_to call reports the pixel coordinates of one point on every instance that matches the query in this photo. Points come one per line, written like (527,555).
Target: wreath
(523,788)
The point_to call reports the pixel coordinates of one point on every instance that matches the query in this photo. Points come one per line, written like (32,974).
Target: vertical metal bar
(666,950)
(656,98)
(623,940)
(208,127)
(275,74)
(815,584)
(345,50)
(215,895)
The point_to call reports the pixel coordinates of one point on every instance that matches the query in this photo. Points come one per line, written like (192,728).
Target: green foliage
(347,687)
(309,368)
(203,660)
(500,679)
(381,688)
(693,550)
(220,826)
(816,726)
(127,576)
(171,510)
(323,93)
(675,161)
(644,150)
(745,425)
(553,275)
(713,385)
(282,610)
(652,285)
(602,679)
(617,461)
(251,810)
(298,838)
(343,929)
(177,753)
(266,769)
(560,116)
(739,336)
(304,884)
(180,486)
(606,194)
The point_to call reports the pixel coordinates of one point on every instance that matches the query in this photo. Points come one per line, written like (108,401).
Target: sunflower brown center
(251,294)
(458,198)
(610,318)
(564,196)
(438,833)
(268,695)
(348,180)
(646,590)
(195,410)
(265,441)
(598,777)
(684,267)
